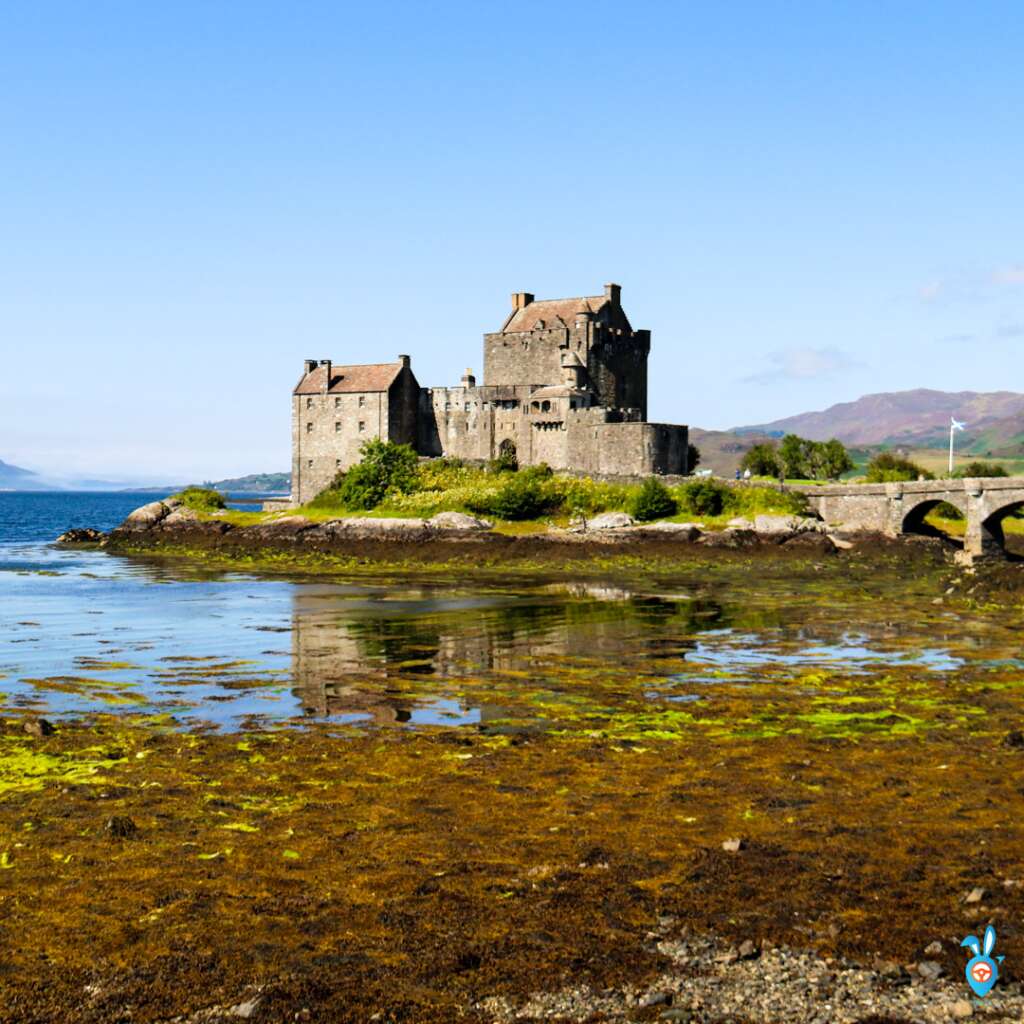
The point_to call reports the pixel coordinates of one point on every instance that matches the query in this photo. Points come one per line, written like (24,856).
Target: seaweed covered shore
(785,841)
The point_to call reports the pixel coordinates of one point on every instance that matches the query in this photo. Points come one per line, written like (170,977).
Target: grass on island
(524,501)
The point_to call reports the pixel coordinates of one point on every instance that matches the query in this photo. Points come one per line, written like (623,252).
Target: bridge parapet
(900,507)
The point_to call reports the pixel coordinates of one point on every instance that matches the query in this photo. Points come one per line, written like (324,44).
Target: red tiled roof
(554,312)
(349,379)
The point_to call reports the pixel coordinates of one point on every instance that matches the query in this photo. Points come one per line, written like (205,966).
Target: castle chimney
(612,292)
(520,300)
(468,380)
(326,363)
(309,365)
(404,360)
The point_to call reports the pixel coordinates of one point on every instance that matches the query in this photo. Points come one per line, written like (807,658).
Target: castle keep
(564,382)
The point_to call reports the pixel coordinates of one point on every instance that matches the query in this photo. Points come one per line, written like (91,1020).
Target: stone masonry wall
(533,358)
(328,431)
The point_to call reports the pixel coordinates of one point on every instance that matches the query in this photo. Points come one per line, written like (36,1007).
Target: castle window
(309,464)
(539,325)
(337,426)
(337,463)
(545,406)
(362,426)
(309,403)
(362,401)
(309,428)
(536,406)
(467,407)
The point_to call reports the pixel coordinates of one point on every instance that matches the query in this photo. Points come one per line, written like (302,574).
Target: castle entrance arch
(507,451)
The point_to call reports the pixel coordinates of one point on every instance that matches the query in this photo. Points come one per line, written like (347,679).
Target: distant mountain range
(257,482)
(14,476)
(994,421)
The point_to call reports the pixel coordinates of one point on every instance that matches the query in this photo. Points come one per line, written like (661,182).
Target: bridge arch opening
(994,528)
(936,517)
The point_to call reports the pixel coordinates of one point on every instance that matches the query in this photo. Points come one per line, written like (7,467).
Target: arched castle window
(539,325)
(545,406)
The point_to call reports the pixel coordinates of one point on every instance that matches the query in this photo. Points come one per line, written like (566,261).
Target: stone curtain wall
(471,423)
(628,450)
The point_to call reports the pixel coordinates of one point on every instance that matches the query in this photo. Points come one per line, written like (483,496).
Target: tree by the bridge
(886,468)
(762,459)
(804,459)
(982,469)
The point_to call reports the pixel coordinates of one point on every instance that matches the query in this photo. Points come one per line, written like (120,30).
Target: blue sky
(803,202)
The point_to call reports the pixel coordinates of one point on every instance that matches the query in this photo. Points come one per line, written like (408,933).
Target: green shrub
(704,497)
(982,469)
(385,467)
(521,497)
(887,468)
(506,462)
(755,499)
(581,495)
(201,499)
(692,457)
(652,501)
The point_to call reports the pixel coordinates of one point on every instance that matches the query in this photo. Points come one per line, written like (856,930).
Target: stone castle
(564,382)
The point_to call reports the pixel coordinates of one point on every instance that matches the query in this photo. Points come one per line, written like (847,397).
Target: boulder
(812,543)
(85,535)
(677,531)
(740,523)
(610,521)
(285,528)
(359,528)
(767,524)
(149,516)
(182,514)
(457,521)
(729,539)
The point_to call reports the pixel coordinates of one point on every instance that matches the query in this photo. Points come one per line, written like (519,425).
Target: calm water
(84,632)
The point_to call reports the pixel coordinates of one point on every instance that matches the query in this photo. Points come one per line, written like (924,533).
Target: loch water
(84,632)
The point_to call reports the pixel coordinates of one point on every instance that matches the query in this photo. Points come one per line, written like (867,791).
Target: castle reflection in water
(396,655)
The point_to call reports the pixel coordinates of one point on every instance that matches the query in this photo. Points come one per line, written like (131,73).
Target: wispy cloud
(1009,275)
(931,291)
(1010,331)
(803,364)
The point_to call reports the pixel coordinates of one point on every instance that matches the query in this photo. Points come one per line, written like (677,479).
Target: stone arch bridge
(899,508)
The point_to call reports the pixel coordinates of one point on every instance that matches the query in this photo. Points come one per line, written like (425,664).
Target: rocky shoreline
(710,982)
(169,521)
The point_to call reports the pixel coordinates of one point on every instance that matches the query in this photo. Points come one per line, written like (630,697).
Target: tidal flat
(417,791)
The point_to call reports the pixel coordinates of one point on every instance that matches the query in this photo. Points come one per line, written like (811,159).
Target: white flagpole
(954,425)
